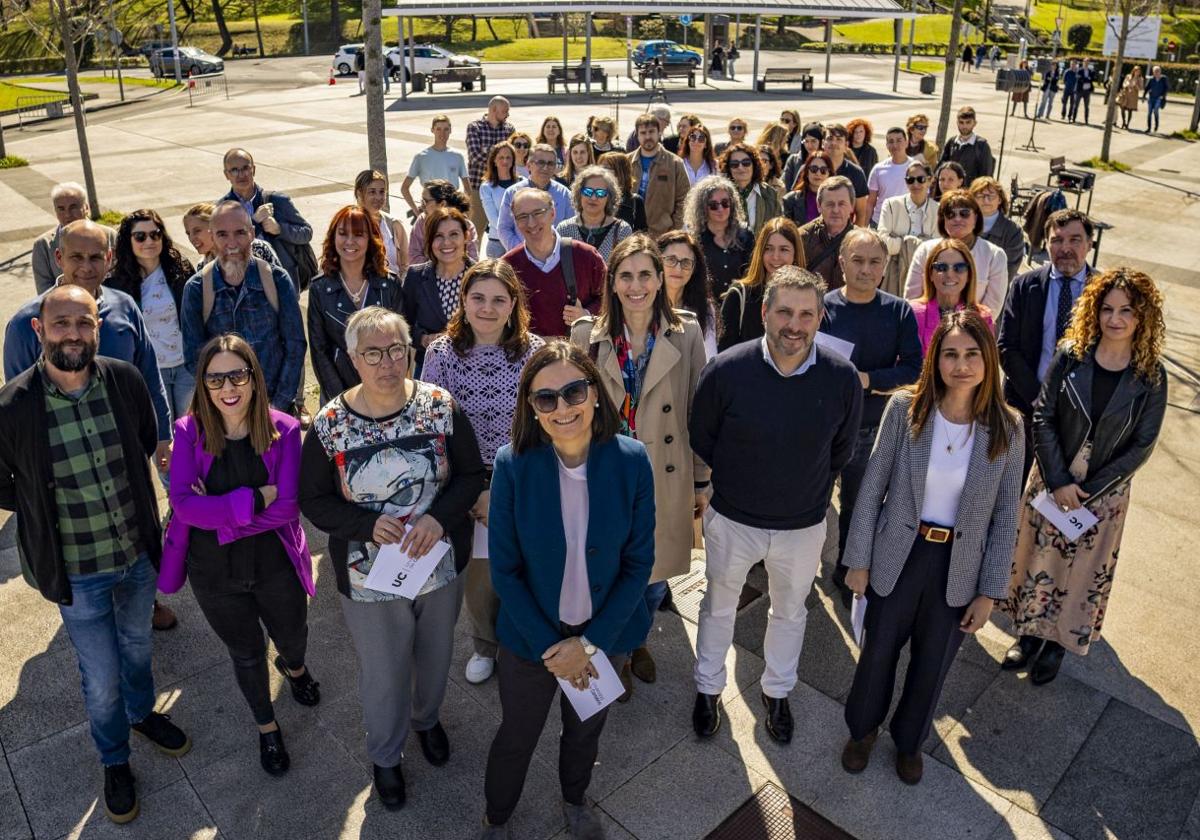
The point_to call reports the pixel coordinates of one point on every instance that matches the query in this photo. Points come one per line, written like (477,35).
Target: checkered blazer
(887,512)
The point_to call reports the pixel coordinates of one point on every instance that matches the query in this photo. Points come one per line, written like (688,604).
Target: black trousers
(234,610)
(1027,423)
(526,691)
(916,612)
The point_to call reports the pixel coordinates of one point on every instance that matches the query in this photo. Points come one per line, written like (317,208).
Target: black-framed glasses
(740,163)
(943,267)
(374,355)
(720,204)
(236,378)
(594,192)
(672,261)
(545,400)
(915,179)
(142,235)
(959,212)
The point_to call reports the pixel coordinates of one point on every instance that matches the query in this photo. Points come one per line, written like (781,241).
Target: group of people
(649,355)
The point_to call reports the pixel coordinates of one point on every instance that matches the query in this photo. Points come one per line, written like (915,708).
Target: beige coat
(662,420)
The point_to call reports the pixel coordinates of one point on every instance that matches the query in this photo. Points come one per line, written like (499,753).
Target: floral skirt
(1059,590)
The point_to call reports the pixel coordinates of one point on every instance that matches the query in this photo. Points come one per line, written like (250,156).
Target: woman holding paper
(390,470)
(931,540)
(1095,424)
(236,531)
(571,539)
(479,361)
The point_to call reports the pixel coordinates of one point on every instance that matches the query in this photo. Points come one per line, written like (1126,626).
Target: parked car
(426,57)
(192,60)
(669,52)
(148,48)
(343,59)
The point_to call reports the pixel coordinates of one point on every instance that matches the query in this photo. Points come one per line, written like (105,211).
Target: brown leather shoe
(164,618)
(626,683)
(910,767)
(642,664)
(857,754)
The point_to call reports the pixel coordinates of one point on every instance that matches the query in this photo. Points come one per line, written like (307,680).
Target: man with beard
(776,420)
(239,294)
(75,433)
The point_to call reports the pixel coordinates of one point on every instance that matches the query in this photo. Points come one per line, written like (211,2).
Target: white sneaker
(479,668)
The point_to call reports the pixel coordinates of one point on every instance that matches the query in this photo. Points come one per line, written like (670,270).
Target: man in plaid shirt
(485,132)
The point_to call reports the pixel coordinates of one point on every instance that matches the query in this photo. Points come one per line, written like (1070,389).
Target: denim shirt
(277,337)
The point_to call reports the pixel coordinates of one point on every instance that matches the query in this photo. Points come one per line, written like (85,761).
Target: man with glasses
(237,292)
(70,204)
(436,162)
(483,133)
(968,149)
(543,165)
(737,134)
(662,178)
(887,176)
(563,278)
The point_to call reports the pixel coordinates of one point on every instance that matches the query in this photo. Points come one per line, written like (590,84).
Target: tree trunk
(335,21)
(449,30)
(474,28)
(222,27)
(1113,92)
(781,28)
(72,66)
(373,37)
(533,26)
(488,22)
(258,30)
(952,59)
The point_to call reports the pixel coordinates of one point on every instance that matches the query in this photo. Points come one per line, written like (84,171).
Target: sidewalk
(108,95)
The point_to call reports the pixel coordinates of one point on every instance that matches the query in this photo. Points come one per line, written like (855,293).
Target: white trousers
(792,559)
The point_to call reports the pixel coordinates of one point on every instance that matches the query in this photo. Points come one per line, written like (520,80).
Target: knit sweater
(547,292)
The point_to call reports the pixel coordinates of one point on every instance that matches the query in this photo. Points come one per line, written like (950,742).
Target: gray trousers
(483,607)
(404,649)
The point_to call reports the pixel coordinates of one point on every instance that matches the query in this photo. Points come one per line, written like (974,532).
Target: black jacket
(329,308)
(1125,434)
(422,308)
(632,211)
(975,158)
(26,472)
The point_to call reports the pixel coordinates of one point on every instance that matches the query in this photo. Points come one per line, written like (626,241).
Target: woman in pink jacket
(949,286)
(235,530)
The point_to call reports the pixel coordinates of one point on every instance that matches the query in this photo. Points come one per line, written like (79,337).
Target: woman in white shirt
(905,221)
(371,194)
(696,149)
(959,217)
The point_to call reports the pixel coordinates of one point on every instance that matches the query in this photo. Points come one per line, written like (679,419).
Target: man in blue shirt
(1156,97)
(543,163)
(275,217)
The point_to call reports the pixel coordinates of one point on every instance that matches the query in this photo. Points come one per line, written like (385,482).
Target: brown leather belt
(935,533)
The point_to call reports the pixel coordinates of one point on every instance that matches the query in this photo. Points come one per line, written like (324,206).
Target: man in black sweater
(968,149)
(881,331)
(776,421)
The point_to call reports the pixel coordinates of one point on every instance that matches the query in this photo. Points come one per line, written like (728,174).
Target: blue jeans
(1153,106)
(179,384)
(1046,105)
(109,626)
(654,595)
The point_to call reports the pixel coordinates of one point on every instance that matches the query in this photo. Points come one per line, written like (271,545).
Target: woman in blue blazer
(571,545)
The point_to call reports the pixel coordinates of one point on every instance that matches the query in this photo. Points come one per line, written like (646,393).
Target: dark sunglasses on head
(943,267)
(545,400)
(819,170)
(594,192)
(915,179)
(143,235)
(959,213)
(719,204)
(236,378)
(740,162)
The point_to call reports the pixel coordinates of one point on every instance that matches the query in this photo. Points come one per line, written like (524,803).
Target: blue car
(668,51)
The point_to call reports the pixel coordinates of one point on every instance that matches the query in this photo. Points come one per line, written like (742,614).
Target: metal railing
(47,105)
(207,86)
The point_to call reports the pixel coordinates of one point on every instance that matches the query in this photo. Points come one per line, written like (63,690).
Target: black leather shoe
(435,745)
(1045,669)
(272,753)
(1018,655)
(305,690)
(389,784)
(779,719)
(120,793)
(706,715)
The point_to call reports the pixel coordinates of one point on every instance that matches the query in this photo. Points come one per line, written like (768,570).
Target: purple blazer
(928,318)
(232,515)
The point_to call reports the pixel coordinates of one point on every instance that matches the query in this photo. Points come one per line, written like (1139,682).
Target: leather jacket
(1125,434)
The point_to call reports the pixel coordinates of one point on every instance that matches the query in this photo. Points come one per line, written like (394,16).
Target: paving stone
(1019,824)
(171,812)
(44,699)
(13,822)
(1134,777)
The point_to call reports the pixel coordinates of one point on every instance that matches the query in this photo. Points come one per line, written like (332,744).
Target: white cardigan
(991,272)
(895,223)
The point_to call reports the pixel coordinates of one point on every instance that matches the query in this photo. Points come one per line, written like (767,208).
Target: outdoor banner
(1142,40)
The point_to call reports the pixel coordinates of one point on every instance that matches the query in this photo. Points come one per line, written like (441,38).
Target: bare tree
(948,79)
(1126,9)
(373,36)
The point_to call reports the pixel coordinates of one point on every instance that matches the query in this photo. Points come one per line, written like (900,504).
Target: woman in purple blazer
(235,530)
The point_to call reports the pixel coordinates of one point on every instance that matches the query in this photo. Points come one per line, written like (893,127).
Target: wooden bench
(667,71)
(784,75)
(577,75)
(464,76)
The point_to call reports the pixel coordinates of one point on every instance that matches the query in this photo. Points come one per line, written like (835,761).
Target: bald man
(483,133)
(70,204)
(75,432)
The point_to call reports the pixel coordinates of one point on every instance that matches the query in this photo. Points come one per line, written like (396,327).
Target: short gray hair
(795,277)
(695,209)
(375,319)
(610,183)
(67,187)
(835,182)
(858,234)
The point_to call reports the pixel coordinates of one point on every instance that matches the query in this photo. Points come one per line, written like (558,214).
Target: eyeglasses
(720,204)
(943,267)
(544,164)
(143,235)
(736,129)
(915,179)
(788,121)
(526,218)
(594,192)
(236,378)
(374,355)
(740,163)
(959,212)
(520,145)
(920,127)
(697,135)
(990,195)
(672,261)
(545,400)
(818,170)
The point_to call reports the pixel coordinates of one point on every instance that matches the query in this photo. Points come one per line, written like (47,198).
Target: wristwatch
(588,647)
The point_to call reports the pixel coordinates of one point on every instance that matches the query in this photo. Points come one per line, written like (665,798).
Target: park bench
(784,75)
(578,75)
(667,71)
(464,76)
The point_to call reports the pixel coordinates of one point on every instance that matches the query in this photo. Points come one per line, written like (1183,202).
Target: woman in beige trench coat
(650,357)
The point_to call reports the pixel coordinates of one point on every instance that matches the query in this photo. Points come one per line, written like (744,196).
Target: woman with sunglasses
(998,228)
(595,196)
(371,194)
(685,277)
(579,158)
(918,147)
(714,214)
(800,205)
(631,209)
(742,165)
(858,132)
(431,288)
(393,461)
(931,540)
(551,133)
(777,245)
(790,120)
(149,269)
(949,287)
(602,129)
(353,276)
(772,168)
(905,221)
(948,176)
(437,194)
(568,592)
(649,360)
(737,134)
(235,531)
(521,143)
(499,173)
(696,150)
(959,217)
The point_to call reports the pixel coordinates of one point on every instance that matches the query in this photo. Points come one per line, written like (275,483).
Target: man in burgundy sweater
(538,262)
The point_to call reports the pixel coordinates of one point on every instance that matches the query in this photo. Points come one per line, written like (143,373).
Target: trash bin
(54,110)
(418,82)
(928,83)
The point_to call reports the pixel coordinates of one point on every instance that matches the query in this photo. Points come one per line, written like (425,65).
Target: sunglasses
(915,179)
(696,135)
(686,263)
(545,400)
(740,163)
(520,145)
(143,235)
(719,204)
(920,127)
(943,267)
(959,213)
(594,192)
(818,170)
(396,352)
(736,128)
(236,378)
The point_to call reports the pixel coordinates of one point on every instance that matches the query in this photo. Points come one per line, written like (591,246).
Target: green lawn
(924,65)
(545,49)
(930,28)
(9,93)
(106,80)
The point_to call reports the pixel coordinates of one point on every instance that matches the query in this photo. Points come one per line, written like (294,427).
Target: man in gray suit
(70,204)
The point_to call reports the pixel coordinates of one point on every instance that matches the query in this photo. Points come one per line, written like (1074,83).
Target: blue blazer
(527,546)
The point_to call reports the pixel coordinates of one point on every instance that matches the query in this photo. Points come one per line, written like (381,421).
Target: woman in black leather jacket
(1098,417)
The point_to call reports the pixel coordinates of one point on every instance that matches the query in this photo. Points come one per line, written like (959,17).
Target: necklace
(356,299)
(951,443)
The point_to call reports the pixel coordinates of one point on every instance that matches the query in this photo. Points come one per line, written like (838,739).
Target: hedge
(55,64)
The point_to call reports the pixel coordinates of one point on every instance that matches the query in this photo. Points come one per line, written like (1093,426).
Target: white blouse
(575,597)
(162,320)
(946,475)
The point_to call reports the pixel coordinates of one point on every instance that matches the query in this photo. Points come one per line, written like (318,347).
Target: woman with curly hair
(1096,422)
(778,245)
(714,214)
(859,132)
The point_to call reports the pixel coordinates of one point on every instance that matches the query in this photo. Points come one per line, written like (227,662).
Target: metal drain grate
(687,591)
(770,814)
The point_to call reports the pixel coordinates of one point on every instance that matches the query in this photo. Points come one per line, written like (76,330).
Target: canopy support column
(757,44)
(828,46)
(587,57)
(898,31)
(400,43)
(563,18)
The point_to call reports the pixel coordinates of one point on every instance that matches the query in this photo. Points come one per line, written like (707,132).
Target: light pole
(304,14)
(174,40)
